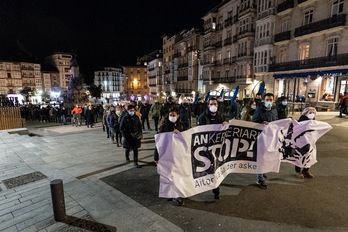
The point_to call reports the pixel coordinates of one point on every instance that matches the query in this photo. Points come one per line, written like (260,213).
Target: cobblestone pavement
(81,156)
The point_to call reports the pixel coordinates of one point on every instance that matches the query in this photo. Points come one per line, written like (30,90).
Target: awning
(306,74)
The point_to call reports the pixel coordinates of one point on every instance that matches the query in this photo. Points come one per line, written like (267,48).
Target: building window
(303,51)
(337,7)
(285,25)
(332,45)
(308,17)
(282,56)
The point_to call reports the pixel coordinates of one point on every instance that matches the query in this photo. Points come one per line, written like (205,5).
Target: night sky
(101,32)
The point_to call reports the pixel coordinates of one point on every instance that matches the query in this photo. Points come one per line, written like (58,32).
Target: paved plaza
(99,196)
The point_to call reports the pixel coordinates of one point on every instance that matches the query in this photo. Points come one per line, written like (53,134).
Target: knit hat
(129,107)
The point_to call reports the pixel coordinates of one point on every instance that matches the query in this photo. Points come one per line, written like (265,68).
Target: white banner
(197,160)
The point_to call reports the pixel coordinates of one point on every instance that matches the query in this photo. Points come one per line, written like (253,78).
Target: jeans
(62,119)
(112,133)
(260,178)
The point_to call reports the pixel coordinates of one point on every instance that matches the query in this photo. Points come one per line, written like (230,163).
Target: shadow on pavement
(308,204)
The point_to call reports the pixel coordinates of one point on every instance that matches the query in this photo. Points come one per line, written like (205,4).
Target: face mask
(173,119)
(253,107)
(268,104)
(213,108)
(284,103)
(310,116)
(131,113)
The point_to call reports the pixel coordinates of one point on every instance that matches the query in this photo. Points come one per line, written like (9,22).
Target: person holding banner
(212,116)
(307,114)
(265,113)
(172,124)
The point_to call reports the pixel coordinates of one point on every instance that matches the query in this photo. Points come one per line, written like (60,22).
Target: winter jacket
(168,126)
(262,115)
(207,118)
(130,125)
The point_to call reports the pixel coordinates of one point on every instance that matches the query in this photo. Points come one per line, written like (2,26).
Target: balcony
(183,91)
(206,45)
(247,9)
(219,27)
(183,65)
(218,44)
(152,77)
(224,80)
(245,33)
(227,61)
(285,7)
(152,85)
(327,61)
(217,62)
(325,24)
(228,22)
(228,41)
(264,14)
(183,78)
(286,35)
(305,3)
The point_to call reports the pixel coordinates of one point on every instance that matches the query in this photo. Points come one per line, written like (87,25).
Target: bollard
(57,194)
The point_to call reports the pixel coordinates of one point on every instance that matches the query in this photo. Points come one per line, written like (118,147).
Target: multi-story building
(50,78)
(228,44)
(31,75)
(62,62)
(136,82)
(10,77)
(311,50)
(264,44)
(187,69)
(111,81)
(155,78)
(168,43)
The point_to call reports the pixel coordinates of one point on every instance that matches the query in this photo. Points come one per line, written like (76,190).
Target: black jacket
(262,115)
(130,125)
(207,118)
(168,126)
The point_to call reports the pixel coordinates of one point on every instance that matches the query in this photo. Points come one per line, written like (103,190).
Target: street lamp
(55,95)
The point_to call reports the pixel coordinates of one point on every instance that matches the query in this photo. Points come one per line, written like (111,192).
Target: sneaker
(308,175)
(216,196)
(178,201)
(262,184)
(299,175)
(137,165)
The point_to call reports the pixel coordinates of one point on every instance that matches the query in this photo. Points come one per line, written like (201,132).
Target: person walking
(144,110)
(156,111)
(132,134)
(265,113)
(307,114)
(212,116)
(248,111)
(282,107)
(89,116)
(185,113)
(172,123)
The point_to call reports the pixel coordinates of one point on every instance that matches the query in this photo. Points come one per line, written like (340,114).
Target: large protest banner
(197,160)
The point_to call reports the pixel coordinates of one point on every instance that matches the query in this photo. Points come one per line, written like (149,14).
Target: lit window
(303,51)
(332,45)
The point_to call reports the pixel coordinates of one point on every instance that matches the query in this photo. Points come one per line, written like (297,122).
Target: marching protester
(112,121)
(248,111)
(144,110)
(172,123)
(282,107)
(156,111)
(265,113)
(258,98)
(106,112)
(185,113)
(307,114)
(89,116)
(212,116)
(168,105)
(132,134)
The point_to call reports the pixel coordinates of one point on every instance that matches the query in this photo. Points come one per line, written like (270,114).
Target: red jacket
(76,110)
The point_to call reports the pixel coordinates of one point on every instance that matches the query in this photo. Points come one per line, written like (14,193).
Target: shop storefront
(322,88)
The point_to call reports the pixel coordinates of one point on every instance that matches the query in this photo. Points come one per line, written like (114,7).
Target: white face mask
(311,116)
(173,119)
(213,108)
